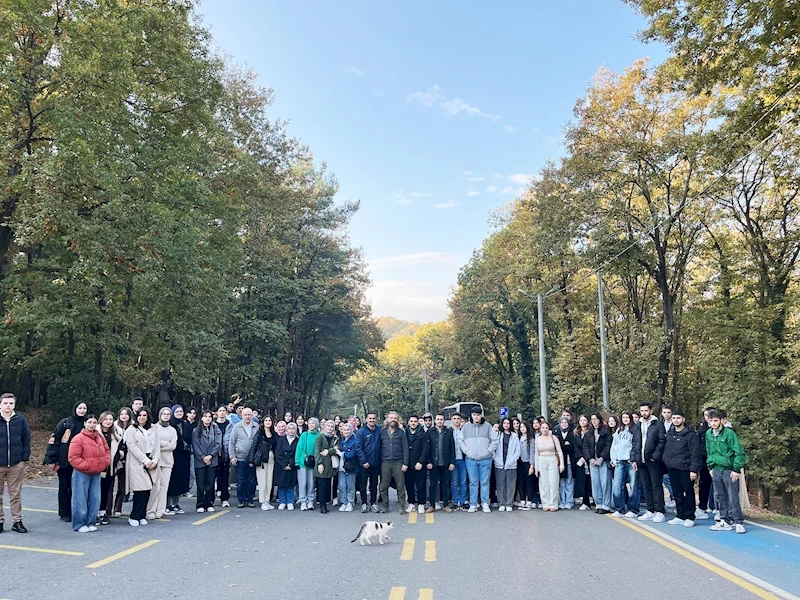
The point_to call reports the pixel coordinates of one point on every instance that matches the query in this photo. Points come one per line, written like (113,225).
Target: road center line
(43,550)
(430,551)
(745,580)
(211,517)
(397,593)
(41,510)
(412,517)
(408,549)
(426,594)
(123,554)
(429,518)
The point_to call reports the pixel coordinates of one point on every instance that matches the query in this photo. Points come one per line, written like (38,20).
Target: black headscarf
(76,422)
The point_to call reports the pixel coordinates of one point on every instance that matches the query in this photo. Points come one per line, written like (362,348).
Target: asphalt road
(249,554)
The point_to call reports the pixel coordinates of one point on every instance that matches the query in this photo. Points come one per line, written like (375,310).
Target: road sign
(503,412)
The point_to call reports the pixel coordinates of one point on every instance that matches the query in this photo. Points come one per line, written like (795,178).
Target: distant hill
(391,327)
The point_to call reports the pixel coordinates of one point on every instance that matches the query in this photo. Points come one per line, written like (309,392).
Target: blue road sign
(503,412)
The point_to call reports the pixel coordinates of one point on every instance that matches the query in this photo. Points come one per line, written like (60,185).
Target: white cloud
(408,299)
(507,190)
(408,260)
(401,198)
(451,204)
(520,178)
(473,193)
(492,189)
(467,173)
(509,128)
(427,98)
(497,175)
(355,71)
(475,179)
(457,105)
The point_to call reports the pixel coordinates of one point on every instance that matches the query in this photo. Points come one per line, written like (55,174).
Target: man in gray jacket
(478,443)
(394,461)
(242,435)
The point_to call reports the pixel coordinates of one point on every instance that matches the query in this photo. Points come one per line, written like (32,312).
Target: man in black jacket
(706,497)
(682,459)
(15,451)
(440,464)
(394,461)
(417,459)
(649,438)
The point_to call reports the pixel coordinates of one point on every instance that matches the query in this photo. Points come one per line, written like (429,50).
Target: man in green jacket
(725,461)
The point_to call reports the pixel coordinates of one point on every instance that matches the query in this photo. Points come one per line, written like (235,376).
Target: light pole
(603,369)
(427,401)
(542,372)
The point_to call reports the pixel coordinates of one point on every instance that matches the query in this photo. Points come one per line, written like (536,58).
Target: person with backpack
(57,455)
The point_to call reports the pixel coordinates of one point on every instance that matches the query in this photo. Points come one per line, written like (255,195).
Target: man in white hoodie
(478,443)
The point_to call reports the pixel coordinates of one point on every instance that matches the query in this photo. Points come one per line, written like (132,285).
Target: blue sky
(432,114)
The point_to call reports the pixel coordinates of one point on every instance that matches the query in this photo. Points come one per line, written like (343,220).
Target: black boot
(19,527)
(323,508)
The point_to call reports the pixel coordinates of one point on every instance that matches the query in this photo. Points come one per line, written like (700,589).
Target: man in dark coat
(15,451)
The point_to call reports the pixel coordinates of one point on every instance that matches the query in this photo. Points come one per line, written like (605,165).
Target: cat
(371,530)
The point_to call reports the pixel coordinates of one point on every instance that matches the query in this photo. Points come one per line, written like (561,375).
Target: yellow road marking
(430,551)
(426,594)
(44,550)
(429,518)
(397,593)
(211,517)
(408,549)
(760,592)
(412,517)
(123,554)
(41,487)
(41,510)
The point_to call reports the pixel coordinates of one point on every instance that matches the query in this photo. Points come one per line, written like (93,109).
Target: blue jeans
(601,485)
(458,483)
(245,482)
(566,489)
(286,495)
(623,474)
(85,499)
(479,473)
(347,487)
(191,471)
(668,483)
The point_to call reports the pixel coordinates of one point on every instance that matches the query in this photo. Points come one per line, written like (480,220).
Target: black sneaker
(19,527)
(242,505)
(1,528)
(67,519)
(103,520)
(251,505)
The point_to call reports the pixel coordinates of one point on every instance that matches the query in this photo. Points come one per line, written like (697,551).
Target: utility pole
(542,375)
(603,369)
(427,397)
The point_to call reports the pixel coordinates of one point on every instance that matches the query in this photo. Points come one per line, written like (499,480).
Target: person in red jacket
(89,457)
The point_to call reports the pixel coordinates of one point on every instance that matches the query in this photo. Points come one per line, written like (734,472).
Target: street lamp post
(542,368)
(601,310)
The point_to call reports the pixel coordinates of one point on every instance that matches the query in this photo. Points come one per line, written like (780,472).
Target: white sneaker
(630,515)
(335,502)
(473,509)
(303,506)
(83,529)
(349,507)
(502,509)
(486,508)
(342,508)
(133,523)
(509,508)
(142,521)
(700,514)
(647,516)
(270,507)
(583,507)
(374,508)
(411,507)
(92,528)
(675,521)
(226,504)
(438,506)
(264,506)
(716,515)
(281,506)
(201,510)
(616,514)
(740,528)
(117,514)
(688,523)
(210,509)
(421,509)
(290,507)
(658,517)
(721,526)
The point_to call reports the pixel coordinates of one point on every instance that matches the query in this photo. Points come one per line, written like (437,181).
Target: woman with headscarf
(304,459)
(324,451)
(179,480)
(167,438)
(280,428)
(569,448)
(57,454)
(144,454)
(124,420)
(286,467)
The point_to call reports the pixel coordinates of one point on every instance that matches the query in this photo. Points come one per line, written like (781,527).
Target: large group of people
(615,462)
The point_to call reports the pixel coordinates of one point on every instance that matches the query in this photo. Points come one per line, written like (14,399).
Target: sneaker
(342,508)
(472,509)
(281,506)
(117,514)
(509,508)
(421,508)
(364,508)
(226,504)
(374,508)
(104,520)
(495,505)
(647,516)
(658,517)
(700,514)
(242,505)
(142,521)
(447,509)
(721,526)
(740,528)
(430,509)
(438,506)
(688,523)
(178,510)
(303,506)
(169,512)
(349,507)
(133,523)
(309,506)
(486,508)
(384,510)
(583,507)
(210,509)
(290,507)
(188,495)
(83,529)
(411,507)
(264,506)
(201,510)
(92,528)
(524,506)
(631,515)
(616,514)
(675,521)
(716,515)
(335,502)
(502,509)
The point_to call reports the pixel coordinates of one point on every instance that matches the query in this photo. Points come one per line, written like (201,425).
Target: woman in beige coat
(167,442)
(144,454)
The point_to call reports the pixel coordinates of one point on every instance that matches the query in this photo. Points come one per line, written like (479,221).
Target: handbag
(335,462)
(558,458)
(309,461)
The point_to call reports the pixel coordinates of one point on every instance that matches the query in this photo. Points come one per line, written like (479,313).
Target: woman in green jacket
(304,459)
(324,451)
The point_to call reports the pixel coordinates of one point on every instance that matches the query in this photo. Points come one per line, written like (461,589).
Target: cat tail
(360,531)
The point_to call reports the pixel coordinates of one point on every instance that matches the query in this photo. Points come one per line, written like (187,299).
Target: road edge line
(771,528)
